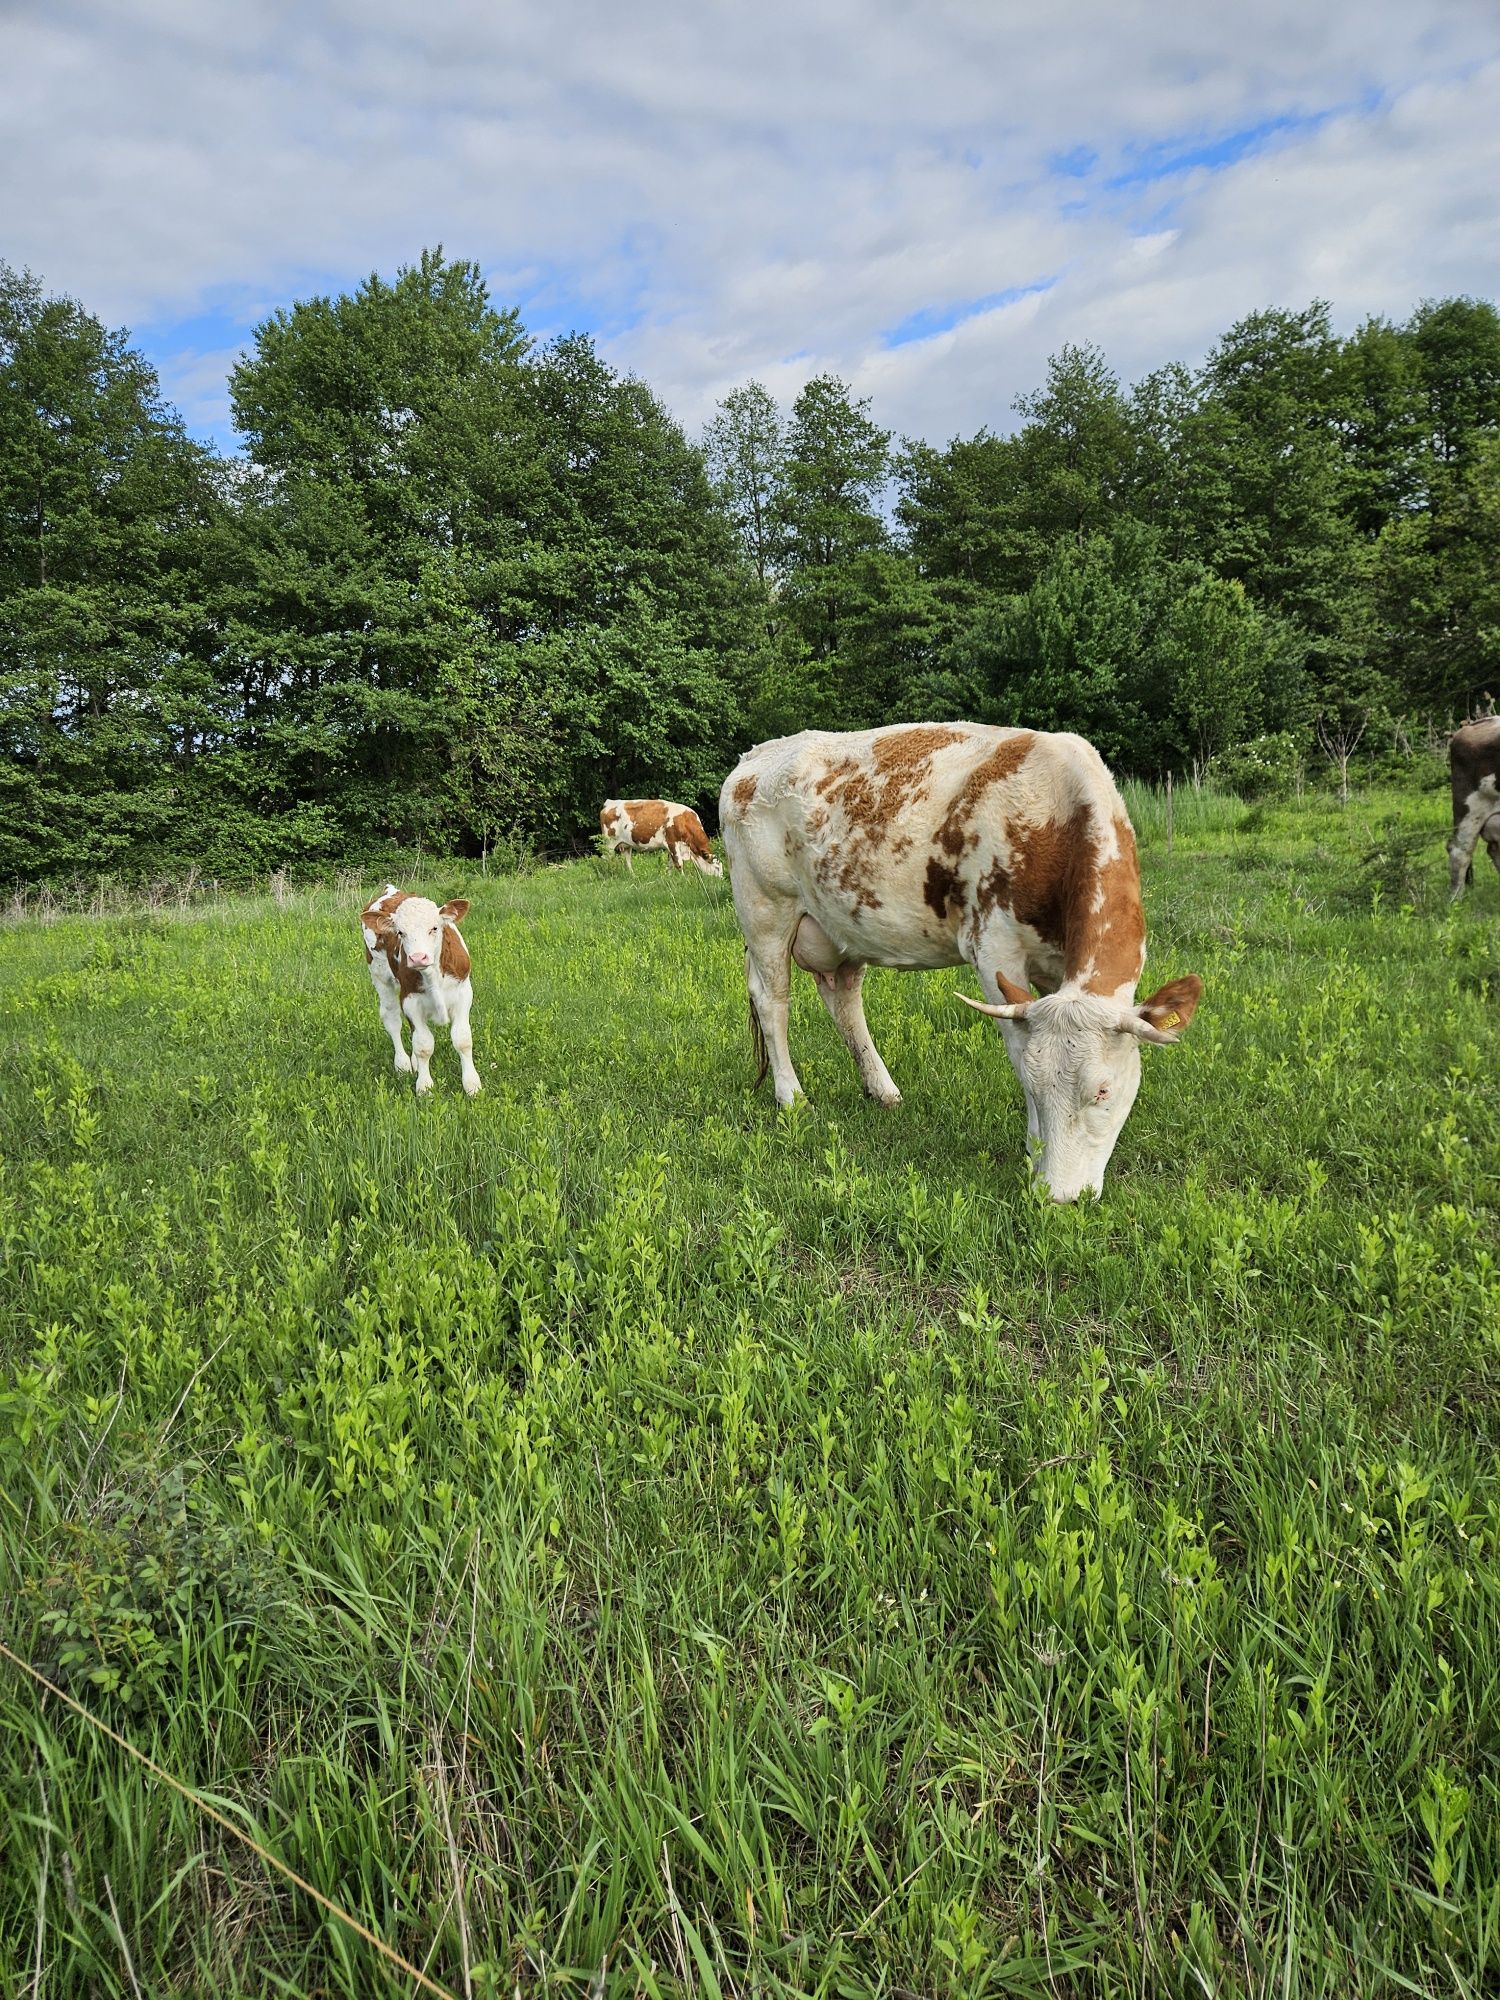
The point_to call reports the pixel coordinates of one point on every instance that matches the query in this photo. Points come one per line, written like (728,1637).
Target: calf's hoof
(403,1065)
(473,1089)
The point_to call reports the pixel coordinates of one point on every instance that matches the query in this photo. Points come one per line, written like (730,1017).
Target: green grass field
(615,1538)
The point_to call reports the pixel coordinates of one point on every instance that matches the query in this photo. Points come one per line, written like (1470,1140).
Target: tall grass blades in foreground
(612,1538)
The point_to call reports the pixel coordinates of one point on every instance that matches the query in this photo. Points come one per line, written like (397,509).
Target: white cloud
(720,189)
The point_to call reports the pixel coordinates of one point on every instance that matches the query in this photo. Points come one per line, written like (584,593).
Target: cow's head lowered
(418,924)
(1078,1056)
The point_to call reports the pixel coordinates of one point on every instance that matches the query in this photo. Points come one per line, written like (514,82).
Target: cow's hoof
(473,1089)
(424,1086)
(889,1098)
(403,1065)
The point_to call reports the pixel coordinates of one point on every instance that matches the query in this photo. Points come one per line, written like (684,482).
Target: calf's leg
(422,1040)
(390,1015)
(463,1040)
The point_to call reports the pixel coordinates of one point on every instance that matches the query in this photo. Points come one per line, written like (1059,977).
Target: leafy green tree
(1438,577)
(837,463)
(1458,343)
(1075,453)
(449,521)
(958,512)
(745,448)
(106,690)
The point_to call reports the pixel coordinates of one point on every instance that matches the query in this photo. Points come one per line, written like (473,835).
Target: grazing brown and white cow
(931,844)
(635,826)
(1474,761)
(419,967)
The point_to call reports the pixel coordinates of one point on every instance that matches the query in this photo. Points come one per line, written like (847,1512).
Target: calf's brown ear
(1172,1006)
(454,911)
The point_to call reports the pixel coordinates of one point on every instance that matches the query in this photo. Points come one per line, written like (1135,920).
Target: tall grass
(615,1538)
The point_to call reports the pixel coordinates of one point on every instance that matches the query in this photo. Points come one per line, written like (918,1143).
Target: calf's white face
(419,930)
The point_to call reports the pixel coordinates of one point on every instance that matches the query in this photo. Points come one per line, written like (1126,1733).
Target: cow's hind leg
(840,984)
(768,925)
(1477,817)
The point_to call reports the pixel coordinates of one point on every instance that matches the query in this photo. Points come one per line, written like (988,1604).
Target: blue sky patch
(928,320)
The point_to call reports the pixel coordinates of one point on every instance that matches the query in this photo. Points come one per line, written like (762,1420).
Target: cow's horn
(999,1013)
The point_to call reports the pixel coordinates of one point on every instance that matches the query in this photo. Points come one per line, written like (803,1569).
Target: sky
(925,197)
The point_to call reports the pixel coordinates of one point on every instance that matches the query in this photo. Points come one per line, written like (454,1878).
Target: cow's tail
(758,1041)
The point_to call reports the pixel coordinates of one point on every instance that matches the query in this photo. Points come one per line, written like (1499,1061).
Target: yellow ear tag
(1172,1019)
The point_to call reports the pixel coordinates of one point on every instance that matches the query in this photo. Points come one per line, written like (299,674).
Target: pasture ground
(615,1538)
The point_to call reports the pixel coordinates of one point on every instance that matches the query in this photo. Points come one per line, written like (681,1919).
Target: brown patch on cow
(647,817)
(745,789)
(453,958)
(903,764)
(1055,879)
(1114,935)
(376,916)
(817,819)
(870,799)
(902,758)
(957,831)
(943,887)
(685,829)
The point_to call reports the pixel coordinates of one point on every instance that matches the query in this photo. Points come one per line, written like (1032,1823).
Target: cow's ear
(1163,1017)
(452,913)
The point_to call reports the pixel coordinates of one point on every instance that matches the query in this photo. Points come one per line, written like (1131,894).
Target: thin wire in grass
(272,1861)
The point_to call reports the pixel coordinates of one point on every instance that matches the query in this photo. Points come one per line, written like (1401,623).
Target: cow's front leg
(390,1015)
(463,1040)
(843,996)
(422,1041)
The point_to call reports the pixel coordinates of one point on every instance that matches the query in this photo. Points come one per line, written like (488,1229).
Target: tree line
(460,585)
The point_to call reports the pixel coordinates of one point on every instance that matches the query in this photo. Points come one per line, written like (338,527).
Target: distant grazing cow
(635,826)
(1474,760)
(419,967)
(939,844)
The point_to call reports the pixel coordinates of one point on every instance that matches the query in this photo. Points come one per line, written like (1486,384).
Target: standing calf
(635,826)
(419,967)
(1474,760)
